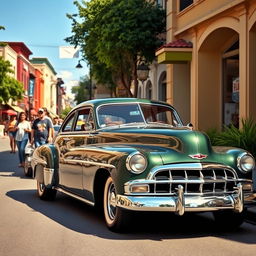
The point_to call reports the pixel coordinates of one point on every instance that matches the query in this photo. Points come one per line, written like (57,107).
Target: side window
(82,122)
(68,124)
(184,4)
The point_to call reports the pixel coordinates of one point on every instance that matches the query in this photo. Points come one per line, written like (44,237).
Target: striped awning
(16,108)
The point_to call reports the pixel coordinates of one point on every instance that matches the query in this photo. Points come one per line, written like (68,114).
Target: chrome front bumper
(180,203)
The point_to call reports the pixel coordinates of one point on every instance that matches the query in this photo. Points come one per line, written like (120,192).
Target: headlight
(245,162)
(136,163)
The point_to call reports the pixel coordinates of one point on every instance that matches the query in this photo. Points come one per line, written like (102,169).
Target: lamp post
(90,81)
(142,72)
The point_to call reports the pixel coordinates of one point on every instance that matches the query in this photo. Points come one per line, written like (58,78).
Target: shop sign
(235,90)
(31,87)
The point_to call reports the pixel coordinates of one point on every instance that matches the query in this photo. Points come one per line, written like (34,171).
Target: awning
(16,108)
(9,112)
(176,52)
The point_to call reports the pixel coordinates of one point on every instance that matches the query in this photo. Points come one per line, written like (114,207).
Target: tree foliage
(10,88)
(65,112)
(115,36)
(81,91)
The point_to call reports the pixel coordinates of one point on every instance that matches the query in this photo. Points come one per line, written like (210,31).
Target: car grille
(204,181)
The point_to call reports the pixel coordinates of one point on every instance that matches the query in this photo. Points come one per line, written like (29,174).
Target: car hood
(173,145)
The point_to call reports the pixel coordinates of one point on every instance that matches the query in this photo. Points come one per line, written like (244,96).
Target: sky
(42,25)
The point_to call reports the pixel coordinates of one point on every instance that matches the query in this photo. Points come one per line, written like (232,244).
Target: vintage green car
(125,155)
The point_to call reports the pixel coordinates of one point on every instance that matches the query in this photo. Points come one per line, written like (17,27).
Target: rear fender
(46,167)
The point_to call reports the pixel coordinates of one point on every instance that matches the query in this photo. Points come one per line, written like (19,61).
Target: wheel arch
(98,187)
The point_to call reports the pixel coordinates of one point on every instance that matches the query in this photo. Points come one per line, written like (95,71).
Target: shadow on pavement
(79,217)
(9,165)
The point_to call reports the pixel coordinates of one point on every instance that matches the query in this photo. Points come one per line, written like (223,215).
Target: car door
(71,142)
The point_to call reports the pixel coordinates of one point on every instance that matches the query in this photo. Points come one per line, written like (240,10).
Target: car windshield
(136,114)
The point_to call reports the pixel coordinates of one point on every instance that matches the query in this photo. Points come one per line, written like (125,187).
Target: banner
(68,52)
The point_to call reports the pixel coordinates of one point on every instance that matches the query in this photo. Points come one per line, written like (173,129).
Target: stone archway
(162,87)
(210,76)
(252,72)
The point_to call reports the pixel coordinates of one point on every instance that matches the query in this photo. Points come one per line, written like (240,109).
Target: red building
(26,74)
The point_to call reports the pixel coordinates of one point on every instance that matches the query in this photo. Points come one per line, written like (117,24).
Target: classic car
(131,155)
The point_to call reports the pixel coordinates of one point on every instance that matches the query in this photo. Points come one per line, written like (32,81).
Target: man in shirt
(42,129)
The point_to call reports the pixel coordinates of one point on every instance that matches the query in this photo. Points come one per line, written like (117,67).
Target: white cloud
(69,84)
(65,75)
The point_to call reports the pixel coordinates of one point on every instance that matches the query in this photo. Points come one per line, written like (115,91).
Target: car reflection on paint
(132,155)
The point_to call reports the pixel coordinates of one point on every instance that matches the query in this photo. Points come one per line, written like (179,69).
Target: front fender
(45,164)
(119,153)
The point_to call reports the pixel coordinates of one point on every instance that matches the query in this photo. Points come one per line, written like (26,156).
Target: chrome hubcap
(111,201)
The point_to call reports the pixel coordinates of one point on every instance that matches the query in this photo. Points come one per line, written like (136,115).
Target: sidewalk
(8,162)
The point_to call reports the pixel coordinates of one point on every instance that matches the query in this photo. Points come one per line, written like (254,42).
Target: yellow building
(210,59)
(48,96)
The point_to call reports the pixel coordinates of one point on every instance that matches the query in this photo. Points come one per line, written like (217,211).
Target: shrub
(244,138)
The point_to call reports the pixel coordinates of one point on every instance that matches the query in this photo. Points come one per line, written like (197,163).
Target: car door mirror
(190,126)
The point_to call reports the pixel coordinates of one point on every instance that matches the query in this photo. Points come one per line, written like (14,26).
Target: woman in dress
(12,132)
(23,128)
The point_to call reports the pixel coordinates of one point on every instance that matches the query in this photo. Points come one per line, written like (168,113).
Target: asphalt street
(67,227)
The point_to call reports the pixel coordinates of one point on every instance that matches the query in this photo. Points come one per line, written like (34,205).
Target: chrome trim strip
(74,196)
(90,162)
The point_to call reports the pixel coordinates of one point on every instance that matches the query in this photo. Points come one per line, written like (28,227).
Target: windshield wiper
(159,124)
(133,124)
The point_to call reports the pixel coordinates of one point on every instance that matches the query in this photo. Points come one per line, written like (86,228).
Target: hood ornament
(198,156)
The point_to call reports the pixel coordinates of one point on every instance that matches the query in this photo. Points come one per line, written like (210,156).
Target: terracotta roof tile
(180,43)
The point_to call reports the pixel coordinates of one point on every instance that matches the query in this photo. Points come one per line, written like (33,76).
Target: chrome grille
(203,181)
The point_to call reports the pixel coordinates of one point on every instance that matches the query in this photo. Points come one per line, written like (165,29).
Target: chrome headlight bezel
(242,162)
(136,163)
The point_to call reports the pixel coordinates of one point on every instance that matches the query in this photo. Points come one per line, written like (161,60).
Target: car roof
(98,102)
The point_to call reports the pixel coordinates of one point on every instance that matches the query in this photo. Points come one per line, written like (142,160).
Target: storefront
(216,87)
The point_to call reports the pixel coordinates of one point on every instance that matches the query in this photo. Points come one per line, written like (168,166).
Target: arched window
(149,90)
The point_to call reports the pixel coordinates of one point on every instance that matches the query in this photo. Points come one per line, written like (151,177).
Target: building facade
(17,53)
(155,86)
(47,88)
(211,83)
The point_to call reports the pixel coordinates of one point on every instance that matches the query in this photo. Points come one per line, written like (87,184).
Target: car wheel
(228,219)
(27,168)
(45,193)
(114,216)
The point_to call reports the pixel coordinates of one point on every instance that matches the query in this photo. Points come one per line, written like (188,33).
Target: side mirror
(190,126)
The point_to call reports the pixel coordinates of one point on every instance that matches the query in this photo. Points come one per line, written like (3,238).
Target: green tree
(65,112)
(10,88)
(115,36)
(81,91)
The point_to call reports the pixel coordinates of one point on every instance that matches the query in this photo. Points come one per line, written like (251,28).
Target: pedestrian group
(37,133)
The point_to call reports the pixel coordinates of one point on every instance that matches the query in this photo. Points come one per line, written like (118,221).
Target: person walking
(23,128)
(42,129)
(12,132)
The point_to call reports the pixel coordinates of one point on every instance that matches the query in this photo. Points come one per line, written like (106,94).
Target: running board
(74,196)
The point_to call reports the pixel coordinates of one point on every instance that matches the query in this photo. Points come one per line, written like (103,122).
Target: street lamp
(90,77)
(142,72)
(79,65)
